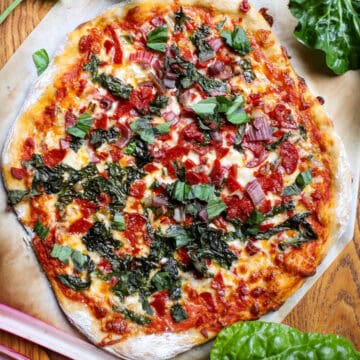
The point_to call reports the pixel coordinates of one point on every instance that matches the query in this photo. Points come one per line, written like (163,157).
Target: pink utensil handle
(11,354)
(41,333)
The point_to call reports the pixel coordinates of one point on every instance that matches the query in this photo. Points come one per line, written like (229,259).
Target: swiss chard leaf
(100,136)
(250,340)
(15,196)
(41,60)
(41,230)
(332,26)
(132,316)
(82,126)
(178,313)
(180,20)
(199,39)
(114,85)
(146,131)
(74,282)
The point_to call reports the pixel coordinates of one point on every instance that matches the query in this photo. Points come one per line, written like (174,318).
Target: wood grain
(333,303)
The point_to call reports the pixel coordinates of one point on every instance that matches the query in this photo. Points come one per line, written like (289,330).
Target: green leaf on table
(251,340)
(332,26)
(41,60)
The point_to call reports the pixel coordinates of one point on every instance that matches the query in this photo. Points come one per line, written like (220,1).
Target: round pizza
(175,174)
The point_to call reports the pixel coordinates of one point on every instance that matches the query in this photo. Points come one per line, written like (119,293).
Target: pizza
(175,174)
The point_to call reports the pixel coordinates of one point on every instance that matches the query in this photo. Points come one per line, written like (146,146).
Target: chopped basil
(159,103)
(180,20)
(180,235)
(132,316)
(130,149)
(205,107)
(179,191)
(82,127)
(118,222)
(15,196)
(256,217)
(203,192)
(236,114)
(41,230)
(157,38)
(178,313)
(41,60)
(79,260)
(148,132)
(74,282)
(199,39)
(61,253)
(215,207)
(92,66)
(100,136)
(237,40)
(277,143)
(303,179)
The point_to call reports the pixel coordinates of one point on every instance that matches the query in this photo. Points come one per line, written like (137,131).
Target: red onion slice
(159,201)
(125,135)
(255,192)
(216,68)
(179,214)
(203,215)
(171,117)
(259,130)
(216,43)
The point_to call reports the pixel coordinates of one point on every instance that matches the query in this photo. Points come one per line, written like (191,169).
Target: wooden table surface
(333,303)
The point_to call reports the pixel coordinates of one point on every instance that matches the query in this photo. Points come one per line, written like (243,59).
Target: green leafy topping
(115,86)
(74,282)
(82,126)
(237,40)
(215,207)
(61,253)
(303,179)
(100,136)
(221,24)
(199,39)
(179,191)
(132,316)
(159,103)
(15,196)
(178,313)
(92,66)
(130,149)
(146,131)
(331,26)
(180,20)
(41,60)
(203,192)
(118,222)
(251,340)
(232,108)
(180,235)
(41,230)
(157,38)
(247,70)
(80,261)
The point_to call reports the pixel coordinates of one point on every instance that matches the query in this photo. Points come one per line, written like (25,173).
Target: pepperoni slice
(232,183)
(80,226)
(54,157)
(239,208)
(137,189)
(289,157)
(194,178)
(209,301)
(271,183)
(86,207)
(142,97)
(159,302)
(17,173)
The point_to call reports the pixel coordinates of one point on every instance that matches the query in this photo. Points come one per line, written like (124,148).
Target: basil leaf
(215,207)
(79,260)
(237,40)
(202,192)
(251,340)
(180,235)
(118,222)
(303,179)
(277,143)
(205,107)
(157,38)
(83,125)
(236,113)
(331,26)
(73,282)
(132,316)
(61,253)
(147,132)
(159,103)
(130,149)
(178,313)
(41,60)
(179,191)
(256,217)
(41,230)
(92,66)
(180,20)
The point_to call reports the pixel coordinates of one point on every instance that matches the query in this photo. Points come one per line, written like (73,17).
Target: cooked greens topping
(178,313)
(180,20)
(74,282)
(132,316)
(41,230)
(200,40)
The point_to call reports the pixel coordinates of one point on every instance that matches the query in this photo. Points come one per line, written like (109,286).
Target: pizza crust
(168,345)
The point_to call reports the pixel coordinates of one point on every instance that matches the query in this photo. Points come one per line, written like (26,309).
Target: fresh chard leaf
(237,40)
(41,60)
(199,39)
(61,253)
(82,127)
(178,313)
(157,38)
(41,230)
(180,20)
(303,179)
(92,66)
(100,136)
(331,26)
(277,341)
(215,207)
(180,235)
(159,103)
(74,282)
(132,316)
(118,222)
(115,86)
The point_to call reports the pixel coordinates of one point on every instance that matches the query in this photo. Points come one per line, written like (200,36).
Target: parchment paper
(22,284)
